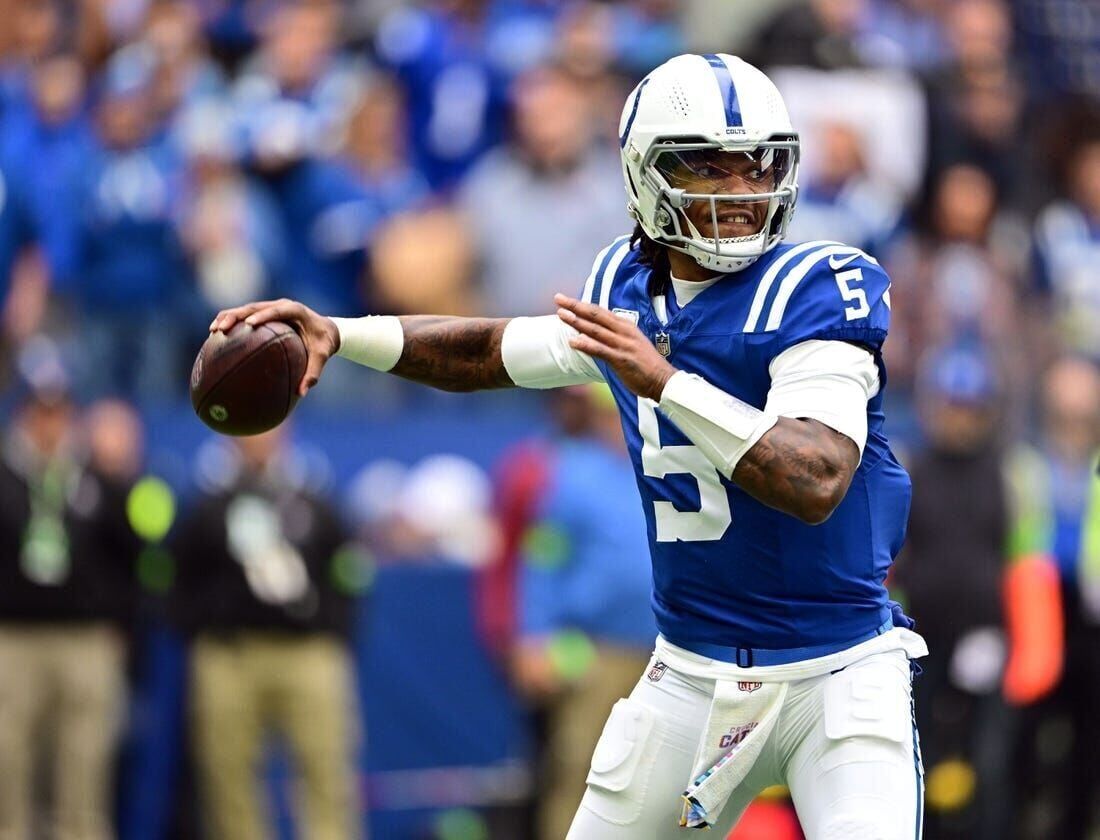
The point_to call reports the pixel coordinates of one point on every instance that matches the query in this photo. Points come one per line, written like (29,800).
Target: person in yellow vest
(1056,498)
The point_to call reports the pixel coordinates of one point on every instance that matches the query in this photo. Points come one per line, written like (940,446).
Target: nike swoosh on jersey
(837,262)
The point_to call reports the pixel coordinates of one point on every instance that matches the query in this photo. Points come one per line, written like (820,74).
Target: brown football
(245,381)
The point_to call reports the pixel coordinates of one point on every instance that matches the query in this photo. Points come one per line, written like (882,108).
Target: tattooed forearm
(801,467)
(454,354)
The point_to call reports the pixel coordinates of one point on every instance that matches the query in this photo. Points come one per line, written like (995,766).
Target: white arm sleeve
(537,354)
(828,381)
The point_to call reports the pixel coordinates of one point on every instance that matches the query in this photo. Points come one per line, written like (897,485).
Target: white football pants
(844,744)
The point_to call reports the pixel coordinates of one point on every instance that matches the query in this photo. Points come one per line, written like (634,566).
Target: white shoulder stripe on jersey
(622,247)
(794,277)
(765,284)
(586,295)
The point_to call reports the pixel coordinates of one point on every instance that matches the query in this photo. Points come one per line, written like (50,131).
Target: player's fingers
(280,310)
(225,319)
(314,364)
(590,328)
(591,312)
(592,347)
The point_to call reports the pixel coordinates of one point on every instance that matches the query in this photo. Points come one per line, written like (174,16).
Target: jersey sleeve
(827,381)
(836,293)
(537,354)
(597,288)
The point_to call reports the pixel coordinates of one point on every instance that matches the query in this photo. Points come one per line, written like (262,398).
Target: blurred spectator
(229,226)
(407,277)
(36,30)
(585,626)
(47,143)
(976,103)
(264,591)
(823,34)
(951,576)
(841,202)
(299,61)
(455,73)
(1057,488)
(294,101)
(886,107)
(552,191)
(647,33)
(907,33)
(331,209)
(376,149)
(1067,252)
(955,280)
(1060,41)
(184,73)
(128,268)
(66,601)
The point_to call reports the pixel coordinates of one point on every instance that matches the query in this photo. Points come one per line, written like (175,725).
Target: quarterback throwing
(749,377)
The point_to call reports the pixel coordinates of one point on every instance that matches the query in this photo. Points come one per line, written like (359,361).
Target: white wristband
(374,340)
(722,426)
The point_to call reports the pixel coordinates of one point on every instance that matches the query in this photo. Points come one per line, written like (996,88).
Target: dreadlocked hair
(654,256)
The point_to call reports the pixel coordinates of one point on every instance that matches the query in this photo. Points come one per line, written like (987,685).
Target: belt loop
(747,657)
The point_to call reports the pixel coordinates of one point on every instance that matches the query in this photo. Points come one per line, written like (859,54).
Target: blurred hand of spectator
(228,224)
(534,672)
(407,277)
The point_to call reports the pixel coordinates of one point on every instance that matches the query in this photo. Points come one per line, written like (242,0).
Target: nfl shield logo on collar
(663,343)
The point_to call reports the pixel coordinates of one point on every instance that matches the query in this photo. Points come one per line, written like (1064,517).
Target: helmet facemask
(678,172)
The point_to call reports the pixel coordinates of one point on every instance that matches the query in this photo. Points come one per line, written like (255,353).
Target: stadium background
(162,160)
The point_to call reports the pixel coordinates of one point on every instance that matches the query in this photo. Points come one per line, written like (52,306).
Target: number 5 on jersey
(713,517)
(855,296)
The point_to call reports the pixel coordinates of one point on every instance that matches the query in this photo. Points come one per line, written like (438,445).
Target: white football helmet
(699,119)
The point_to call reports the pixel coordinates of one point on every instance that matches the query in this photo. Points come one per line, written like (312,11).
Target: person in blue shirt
(457,89)
(584,624)
(128,271)
(47,143)
(748,376)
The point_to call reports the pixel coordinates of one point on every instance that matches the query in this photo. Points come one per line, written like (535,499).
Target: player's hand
(318,333)
(618,342)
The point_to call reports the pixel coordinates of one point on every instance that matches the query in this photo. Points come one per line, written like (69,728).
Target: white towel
(742,716)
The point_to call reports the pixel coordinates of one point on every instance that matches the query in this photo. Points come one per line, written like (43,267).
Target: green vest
(1031,525)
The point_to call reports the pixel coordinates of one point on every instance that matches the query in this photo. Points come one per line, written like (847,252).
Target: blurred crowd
(163,159)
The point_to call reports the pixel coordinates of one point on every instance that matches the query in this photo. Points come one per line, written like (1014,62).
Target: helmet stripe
(726,88)
(633,113)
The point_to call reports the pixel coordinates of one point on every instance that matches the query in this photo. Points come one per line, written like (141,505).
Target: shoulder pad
(823,290)
(597,289)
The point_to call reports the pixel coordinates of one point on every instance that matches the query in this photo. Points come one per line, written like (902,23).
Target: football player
(748,374)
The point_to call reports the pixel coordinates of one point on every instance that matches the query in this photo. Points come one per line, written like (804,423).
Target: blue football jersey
(728,570)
